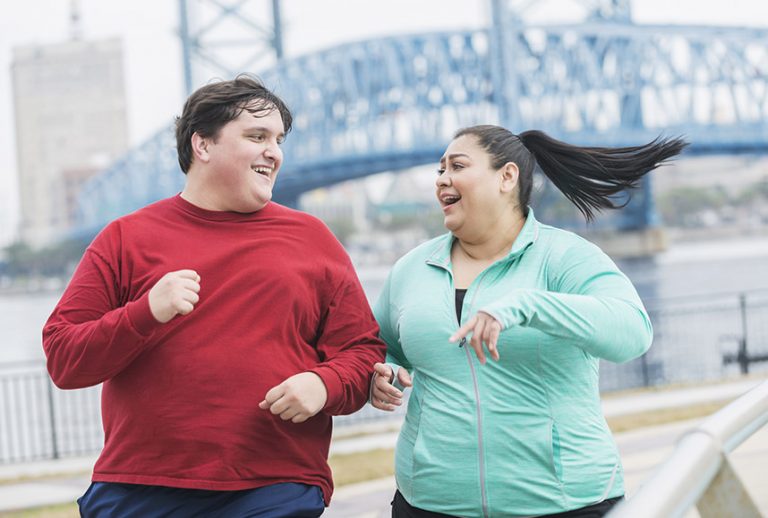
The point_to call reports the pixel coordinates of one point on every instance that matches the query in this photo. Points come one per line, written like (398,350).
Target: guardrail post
(52,417)
(726,496)
(698,472)
(644,370)
(743,358)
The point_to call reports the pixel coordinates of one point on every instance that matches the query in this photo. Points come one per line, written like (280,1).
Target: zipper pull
(463,341)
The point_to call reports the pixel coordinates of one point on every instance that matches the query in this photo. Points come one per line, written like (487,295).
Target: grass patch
(47,476)
(662,416)
(349,468)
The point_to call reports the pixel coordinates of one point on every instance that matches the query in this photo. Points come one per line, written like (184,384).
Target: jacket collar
(441,253)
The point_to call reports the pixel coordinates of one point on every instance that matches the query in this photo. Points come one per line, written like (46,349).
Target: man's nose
(273,150)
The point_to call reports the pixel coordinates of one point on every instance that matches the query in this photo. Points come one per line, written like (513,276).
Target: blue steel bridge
(389,104)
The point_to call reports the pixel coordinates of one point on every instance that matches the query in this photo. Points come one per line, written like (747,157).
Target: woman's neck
(494,243)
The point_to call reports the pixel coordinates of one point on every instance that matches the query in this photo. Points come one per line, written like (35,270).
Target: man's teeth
(262,170)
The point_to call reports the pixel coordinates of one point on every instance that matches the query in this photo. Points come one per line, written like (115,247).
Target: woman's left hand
(485,330)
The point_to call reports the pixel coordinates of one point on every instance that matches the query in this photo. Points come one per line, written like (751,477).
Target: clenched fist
(298,398)
(176,293)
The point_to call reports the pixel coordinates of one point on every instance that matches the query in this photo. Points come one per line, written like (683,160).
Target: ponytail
(589,177)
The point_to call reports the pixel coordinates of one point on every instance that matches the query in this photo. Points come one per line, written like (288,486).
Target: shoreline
(683,246)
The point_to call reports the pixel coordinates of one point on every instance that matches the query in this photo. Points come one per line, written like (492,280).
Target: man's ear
(200,147)
(509,176)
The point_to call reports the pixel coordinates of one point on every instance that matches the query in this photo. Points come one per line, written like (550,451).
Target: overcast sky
(153,57)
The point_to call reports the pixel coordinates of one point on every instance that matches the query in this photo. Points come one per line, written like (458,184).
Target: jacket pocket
(557,464)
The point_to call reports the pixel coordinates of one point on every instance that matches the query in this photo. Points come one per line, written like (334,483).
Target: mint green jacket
(523,436)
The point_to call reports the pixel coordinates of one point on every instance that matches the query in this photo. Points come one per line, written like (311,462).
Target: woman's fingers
(384,395)
(464,330)
(491,338)
(485,331)
(477,339)
(404,377)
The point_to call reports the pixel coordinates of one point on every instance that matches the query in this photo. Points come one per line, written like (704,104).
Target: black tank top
(459,303)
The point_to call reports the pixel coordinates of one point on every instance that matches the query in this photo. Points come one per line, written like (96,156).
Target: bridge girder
(391,103)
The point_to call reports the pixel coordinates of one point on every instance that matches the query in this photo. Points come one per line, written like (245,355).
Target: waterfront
(700,271)
(704,299)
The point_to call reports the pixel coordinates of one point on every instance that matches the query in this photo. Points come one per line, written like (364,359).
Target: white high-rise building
(71,123)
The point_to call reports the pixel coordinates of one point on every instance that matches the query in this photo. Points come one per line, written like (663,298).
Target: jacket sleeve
(592,305)
(349,345)
(387,315)
(90,337)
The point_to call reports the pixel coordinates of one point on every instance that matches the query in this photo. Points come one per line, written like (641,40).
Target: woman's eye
(440,171)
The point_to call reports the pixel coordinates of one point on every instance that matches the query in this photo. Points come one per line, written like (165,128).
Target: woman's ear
(200,147)
(509,175)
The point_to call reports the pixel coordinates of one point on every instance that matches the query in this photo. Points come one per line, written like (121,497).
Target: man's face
(244,160)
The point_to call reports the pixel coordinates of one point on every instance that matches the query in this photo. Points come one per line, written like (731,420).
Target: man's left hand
(298,398)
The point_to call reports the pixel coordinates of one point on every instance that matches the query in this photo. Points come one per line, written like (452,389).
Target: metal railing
(698,339)
(39,421)
(694,340)
(699,473)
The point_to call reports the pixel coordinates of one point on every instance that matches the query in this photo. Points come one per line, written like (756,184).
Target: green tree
(342,228)
(57,260)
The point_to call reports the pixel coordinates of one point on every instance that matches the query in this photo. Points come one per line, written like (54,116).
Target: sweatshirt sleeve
(349,346)
(592,305)
(90,337)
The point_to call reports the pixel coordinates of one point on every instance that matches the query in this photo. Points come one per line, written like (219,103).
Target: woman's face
(471,193)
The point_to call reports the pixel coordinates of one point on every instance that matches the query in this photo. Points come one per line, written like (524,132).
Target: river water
(691,291)
(695,271)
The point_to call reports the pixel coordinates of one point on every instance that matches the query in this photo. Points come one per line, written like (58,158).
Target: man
(227,330)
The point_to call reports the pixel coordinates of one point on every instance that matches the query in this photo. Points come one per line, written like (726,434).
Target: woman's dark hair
(212,106)
(588,176)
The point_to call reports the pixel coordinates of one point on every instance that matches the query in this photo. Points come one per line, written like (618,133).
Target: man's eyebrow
(262,129)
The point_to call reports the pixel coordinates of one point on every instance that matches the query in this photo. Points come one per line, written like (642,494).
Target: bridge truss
(392,103)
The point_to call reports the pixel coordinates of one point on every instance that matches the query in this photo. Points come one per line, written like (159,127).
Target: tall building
(70,113)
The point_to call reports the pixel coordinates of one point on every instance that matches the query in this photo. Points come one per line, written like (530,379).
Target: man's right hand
(176,293)
(384,395)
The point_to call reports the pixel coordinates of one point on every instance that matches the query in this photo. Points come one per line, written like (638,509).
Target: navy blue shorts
(107,499)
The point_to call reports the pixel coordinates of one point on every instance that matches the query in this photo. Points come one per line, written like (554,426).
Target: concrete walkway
(641,451)
(36,484)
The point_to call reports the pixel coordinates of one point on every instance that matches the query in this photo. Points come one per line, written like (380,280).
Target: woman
(524,434)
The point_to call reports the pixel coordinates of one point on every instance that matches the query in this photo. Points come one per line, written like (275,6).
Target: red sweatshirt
(180,400)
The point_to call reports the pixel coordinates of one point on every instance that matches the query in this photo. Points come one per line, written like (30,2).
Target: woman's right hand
(384,395)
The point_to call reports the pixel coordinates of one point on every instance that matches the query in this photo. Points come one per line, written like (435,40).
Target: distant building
(71,122)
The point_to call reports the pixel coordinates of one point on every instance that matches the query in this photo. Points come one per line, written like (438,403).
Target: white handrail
(700,455)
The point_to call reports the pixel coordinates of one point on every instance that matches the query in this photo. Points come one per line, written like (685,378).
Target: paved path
(36,484)
(641,451)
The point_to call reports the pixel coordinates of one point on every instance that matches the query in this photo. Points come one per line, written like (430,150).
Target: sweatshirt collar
(215,215)
(441,253)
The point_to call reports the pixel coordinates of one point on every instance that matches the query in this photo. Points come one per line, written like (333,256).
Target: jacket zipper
(480,442)
(462,343)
